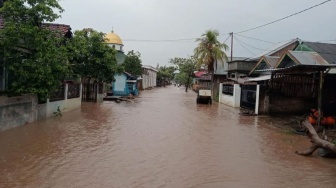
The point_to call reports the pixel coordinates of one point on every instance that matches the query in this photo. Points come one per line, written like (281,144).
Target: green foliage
(91,57)
(182,78)
(58,111)
(186,66)
(165,73)
(35,59)
(210,50)
(133,63)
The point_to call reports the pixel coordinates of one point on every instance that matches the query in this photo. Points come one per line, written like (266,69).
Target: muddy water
(161,139)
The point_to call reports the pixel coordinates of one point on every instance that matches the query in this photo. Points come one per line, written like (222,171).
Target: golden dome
(113,38)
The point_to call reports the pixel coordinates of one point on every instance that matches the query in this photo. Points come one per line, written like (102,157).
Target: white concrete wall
(120,82)
(230,100)
(149,80)
(17,111)
(256,110)
(227,100)
(236,95)
(64,105)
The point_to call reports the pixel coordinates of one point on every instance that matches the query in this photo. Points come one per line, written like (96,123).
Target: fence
(58,95)
(65,91)
(73,91)
(89,92)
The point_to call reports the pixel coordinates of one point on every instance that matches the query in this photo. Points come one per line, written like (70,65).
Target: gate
(90,92)
(248,96)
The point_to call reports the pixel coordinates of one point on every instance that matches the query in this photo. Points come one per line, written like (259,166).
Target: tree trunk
(88,90)
(187,85)
(316,141)
(212,85)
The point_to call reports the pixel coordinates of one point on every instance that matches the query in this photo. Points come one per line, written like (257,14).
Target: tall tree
(186,66)
(91,57)
(34,55)
(133,63)
(165,74)
(209,51)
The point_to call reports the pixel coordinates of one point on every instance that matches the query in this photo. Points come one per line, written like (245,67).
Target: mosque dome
(112,38)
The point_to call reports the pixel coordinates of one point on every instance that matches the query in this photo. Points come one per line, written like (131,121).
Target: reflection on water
(161,139)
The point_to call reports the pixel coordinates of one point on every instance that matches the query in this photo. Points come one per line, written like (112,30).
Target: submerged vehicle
(204,96)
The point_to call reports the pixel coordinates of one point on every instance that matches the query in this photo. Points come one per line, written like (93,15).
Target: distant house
(124,85)
(201,79)
(222,69)
(148,78)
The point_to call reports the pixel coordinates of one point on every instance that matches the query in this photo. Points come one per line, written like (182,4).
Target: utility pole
(231,45)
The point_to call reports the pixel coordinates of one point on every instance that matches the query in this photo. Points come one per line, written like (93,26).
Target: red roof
(60,28)
(200,73)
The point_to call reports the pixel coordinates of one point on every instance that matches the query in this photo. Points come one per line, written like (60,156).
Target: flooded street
(160,139)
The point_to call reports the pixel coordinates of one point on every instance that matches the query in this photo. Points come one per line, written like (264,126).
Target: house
(221,69)
(124,85)
(148,78)
(19,110)
(62,30)
(201,79)
(294,80)
(240,71)
(296,89)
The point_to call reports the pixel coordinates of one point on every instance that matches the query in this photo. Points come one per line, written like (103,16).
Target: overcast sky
(157,20)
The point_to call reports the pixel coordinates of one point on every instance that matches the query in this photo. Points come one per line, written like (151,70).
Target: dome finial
(112,30)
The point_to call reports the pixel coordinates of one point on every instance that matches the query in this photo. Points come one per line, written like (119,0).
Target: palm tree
(209,51)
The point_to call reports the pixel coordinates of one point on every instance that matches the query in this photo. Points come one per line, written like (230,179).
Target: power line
(226,39)
(283,17)
(243,46)
(190,39)
(165,40)
(254,47)
(256,39)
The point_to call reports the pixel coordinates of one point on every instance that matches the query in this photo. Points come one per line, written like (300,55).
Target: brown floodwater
(160,139)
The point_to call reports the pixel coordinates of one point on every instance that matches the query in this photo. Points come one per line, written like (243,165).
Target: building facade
(149,77)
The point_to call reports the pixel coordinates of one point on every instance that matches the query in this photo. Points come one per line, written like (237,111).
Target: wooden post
(231,45)
(319,99)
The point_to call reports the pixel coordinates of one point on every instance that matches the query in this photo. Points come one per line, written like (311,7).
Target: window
(228,89)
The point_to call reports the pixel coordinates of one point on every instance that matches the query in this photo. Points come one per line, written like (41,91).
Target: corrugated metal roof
(307,58)
(300,68)
(260,78)
(326,50)
(149,67)
(271,60)
(275,48)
